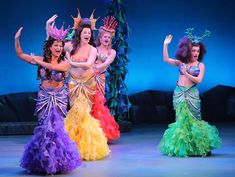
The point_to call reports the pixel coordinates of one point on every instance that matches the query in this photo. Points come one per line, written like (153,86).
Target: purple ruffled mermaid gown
(50,150)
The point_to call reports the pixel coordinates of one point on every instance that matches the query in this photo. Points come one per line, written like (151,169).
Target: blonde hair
(103,30)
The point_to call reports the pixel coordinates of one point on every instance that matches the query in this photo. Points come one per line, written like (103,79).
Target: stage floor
(135,154)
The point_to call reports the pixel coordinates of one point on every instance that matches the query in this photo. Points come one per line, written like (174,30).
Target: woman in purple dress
(50,150)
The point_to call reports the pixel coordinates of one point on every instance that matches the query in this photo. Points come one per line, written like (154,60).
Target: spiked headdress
(58,34)
(110,24)
(78,20)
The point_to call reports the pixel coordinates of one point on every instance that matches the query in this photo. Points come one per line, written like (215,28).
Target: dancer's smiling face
(56,48)
(105,39)
(85,35)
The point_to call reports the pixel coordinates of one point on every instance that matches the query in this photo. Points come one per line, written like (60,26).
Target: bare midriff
(81,73)
(51,84)
(184,81)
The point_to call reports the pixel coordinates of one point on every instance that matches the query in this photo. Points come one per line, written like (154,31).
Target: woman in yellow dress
(84,129)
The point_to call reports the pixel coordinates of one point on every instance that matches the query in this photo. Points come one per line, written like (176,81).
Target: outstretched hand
(168,39)
(68,58)
(18,33)
(34,59)
(52,20)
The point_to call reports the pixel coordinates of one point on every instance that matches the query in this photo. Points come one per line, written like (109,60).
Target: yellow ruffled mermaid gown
(84,129)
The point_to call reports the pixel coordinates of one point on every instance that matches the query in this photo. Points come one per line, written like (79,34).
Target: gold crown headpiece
(78,20)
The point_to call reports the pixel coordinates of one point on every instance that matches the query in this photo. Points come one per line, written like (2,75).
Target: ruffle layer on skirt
(50,150)
(107,121)
(86,131)
(189,136)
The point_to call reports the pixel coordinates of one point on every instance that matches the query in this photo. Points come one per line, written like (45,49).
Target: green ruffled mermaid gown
(189,135)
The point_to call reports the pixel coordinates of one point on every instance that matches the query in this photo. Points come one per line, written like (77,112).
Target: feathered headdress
(58,34)
(78,20)
(110,24)
(196,39)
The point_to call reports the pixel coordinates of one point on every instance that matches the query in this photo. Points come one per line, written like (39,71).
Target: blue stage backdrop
(150,21)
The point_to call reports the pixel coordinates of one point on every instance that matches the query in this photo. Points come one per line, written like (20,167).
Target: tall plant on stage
(116,95)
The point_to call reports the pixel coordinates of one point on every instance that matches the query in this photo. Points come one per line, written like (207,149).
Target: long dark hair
(77,35)
(47,57)
(183,52)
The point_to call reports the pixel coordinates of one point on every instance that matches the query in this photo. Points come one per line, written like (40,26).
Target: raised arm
(166,58)
(103,66)
(19,51)
(90,61)
(50,22)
